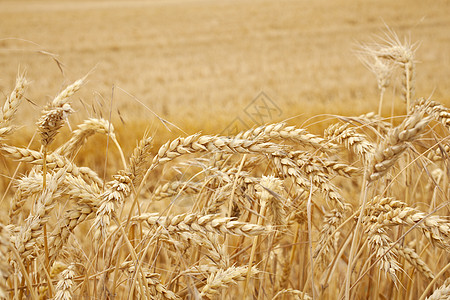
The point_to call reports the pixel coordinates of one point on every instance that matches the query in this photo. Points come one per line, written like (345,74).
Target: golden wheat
(274,212)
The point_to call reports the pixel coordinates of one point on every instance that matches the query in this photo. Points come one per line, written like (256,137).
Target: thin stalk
(233,190)
(364,189)
(308,210)
(44,185)
(124,161)
(294,246)
(16,171)
(408,87)
(380,107)
(262,213)
(380,103)
(44,169)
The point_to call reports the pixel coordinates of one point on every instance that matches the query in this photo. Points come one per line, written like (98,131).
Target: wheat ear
(224,278)
(280,132)
(297,295)
(442,292)
(54,161)
(64,286)
(10,107)
(435,109)
(202,223)
(79,136)
(30,232)
(414,259)
(396,143)
(357,142)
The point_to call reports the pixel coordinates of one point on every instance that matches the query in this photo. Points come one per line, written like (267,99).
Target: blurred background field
(198,64)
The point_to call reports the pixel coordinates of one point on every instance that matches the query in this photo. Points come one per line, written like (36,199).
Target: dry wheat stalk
(54,161)
(5,255)
(182,242)
(187,253)
(63,97)
(51,121)
(205,143)
(321,169)
(222,278)
(381,68)
(26,186)
(209,242)
(284,270)
(222,189)
(71,219)
(290,168)
(26,240)
(86,198)
(85,130)
(370,120)
(335,167)
(280,131)
(381,244)
(414,259)
(153,281)
(440,153)
(442,292)
(401,54)
(396,143)
(435,228)
(269,190)
(435,109)
(120,188)
(390,212)
(297,209)
(202,223)
(326,246)
(379,205)
(11,104)
(114,196)
(197,270)
(298,295)
(57,268)
(75,187)
(138,160)
(357,142)
(319,164)
(64,286)
(80,191)
(173,188)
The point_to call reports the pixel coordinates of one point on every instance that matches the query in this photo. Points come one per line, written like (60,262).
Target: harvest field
(225,149)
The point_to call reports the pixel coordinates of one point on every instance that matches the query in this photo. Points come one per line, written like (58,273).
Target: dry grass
(357,211)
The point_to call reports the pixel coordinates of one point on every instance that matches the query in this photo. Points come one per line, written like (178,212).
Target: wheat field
(343,204)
